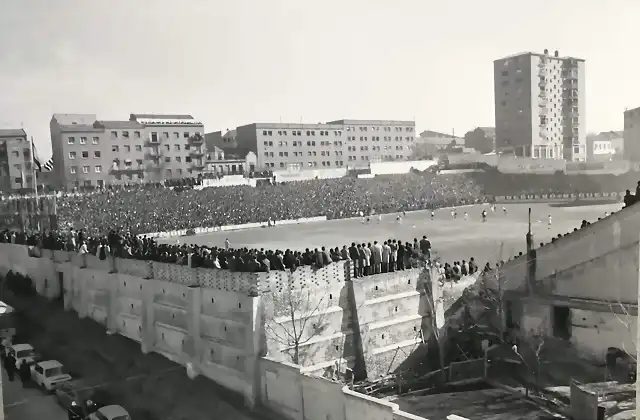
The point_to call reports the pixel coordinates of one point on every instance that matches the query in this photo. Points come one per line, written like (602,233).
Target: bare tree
(293,317)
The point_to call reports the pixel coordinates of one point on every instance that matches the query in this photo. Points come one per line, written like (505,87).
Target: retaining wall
(223,322)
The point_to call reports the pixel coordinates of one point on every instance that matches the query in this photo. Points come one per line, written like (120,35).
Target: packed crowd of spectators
(145,210)
(496,183)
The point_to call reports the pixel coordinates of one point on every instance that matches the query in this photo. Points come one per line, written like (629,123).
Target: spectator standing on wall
(376,254)
(425,247)
(400,260)
(386,256)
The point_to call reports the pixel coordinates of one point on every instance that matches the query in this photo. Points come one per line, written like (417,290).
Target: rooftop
(526,53)
(12,132)
(488,404)
(135,117)
(290,126)
(118,124)
(372,122)
(73,119)
(429,133)
(632,111)
(80,128)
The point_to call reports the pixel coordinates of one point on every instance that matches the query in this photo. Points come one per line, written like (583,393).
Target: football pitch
(502,236)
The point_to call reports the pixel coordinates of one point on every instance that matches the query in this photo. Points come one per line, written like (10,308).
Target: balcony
(196,153)
(542,63)
(571,75)
(151,143)
(196,139)
(152,155)
(542,83)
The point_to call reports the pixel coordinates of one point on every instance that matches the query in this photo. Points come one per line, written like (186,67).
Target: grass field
(452,239)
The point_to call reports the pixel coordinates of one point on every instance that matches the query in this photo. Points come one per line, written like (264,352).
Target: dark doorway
(60,297)
(508,309)
(562,322)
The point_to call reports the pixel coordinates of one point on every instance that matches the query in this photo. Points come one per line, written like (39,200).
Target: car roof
(20,347)
(113,411)
(48,364)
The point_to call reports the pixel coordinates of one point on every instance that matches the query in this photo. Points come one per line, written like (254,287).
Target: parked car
(78,399)
(22,353)
(110,412)
(49,374)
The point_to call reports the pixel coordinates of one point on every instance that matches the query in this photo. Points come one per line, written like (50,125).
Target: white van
(23,353)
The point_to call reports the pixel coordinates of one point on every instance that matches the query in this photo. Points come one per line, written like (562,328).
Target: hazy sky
(230,63)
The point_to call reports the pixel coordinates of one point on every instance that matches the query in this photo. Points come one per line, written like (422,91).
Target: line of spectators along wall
(367,258)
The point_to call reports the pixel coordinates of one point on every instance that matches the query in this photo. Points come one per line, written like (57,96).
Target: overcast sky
(230,63)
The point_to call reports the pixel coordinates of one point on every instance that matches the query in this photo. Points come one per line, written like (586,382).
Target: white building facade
(540,106)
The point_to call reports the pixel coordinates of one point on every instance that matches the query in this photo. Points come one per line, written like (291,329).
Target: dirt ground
(150,387)
(502,236)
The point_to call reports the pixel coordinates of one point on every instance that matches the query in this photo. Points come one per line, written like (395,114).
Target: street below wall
(28,403)
(149,386)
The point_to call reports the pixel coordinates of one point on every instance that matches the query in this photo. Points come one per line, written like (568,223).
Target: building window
(98,169)
(185,135)
(138,148)
(136,134)
(125,134)
(114,148)
(114,134)
(178,159)
(83,140)
(72,169)
(96,154)
(165,135)
(85,154)
(72,155)
(71,140)
(167,159)
(95,140)
(86,169)
(127,149)
(176,147)
(17,166)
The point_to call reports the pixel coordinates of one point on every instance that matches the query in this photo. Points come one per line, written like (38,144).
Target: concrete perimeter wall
(298,396)
(593,272)
(224,322)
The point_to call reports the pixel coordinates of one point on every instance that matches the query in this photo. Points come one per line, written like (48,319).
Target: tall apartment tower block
(540,106)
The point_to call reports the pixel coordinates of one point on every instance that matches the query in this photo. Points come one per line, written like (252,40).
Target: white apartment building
(336,144)
(540,106)
(148,147)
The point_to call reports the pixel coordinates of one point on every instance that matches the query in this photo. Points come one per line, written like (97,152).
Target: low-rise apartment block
(16,160)
(336,144)
(148,147)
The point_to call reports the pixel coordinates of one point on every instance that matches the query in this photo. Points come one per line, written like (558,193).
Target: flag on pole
(36,160)
(48,166)
(22,179)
